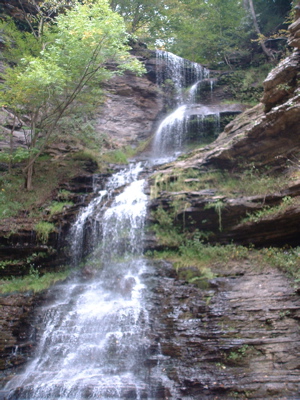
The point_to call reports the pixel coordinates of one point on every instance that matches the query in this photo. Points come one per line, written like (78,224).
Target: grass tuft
(32,282)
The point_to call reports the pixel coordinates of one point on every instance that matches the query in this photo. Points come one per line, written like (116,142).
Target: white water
(95,333)
(78,229)
(173,131)
(170,134)
(183,73)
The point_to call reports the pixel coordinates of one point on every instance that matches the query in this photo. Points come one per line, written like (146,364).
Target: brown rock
(131,110)
(281,81)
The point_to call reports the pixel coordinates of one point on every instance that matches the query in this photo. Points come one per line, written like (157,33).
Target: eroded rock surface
(239,338)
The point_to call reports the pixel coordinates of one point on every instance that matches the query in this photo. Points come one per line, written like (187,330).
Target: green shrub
(267,211)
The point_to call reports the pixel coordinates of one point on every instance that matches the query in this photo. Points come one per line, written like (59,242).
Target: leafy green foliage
(10,200)
(286,259)
(165,229)
(246,86)
(238,354)
(272,14)
(74,59)
(16,156)
(208,31)
(214,31)
(33,203)
(150,21)
(271,211)
(18,43)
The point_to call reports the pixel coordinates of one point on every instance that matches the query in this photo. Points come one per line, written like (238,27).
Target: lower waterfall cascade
(96,333)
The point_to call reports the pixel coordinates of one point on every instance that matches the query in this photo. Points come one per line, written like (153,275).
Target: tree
(82,48)
(148,20)
(266,51)
(209,30)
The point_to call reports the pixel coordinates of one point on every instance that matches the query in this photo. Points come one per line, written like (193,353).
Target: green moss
(86,155)
(115,157)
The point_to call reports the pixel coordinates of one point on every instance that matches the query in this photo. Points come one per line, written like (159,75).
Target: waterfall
(95,335)
(88,221)
(180,71)
(174,131)
(79,228)
(95,332)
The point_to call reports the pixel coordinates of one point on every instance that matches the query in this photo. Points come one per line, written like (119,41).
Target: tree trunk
(11,144)
(28,178)
(297,10)
(266,51)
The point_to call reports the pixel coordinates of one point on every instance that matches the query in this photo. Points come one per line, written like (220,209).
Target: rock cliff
(265,140)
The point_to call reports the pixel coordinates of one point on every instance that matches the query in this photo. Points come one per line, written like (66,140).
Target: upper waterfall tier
(182,78)
(183,73)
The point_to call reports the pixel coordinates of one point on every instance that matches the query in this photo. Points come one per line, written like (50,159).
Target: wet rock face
(239,338)
(234,336)
(17,340)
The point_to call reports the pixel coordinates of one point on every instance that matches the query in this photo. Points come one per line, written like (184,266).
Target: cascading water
(175,128)
(183,73)
(95,339)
